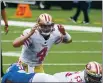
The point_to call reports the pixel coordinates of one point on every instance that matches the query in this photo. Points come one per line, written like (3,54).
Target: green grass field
(60,16)
(77,52)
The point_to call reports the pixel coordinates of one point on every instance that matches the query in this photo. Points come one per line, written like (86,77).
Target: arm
(3,14)
(66,37)
(20,40)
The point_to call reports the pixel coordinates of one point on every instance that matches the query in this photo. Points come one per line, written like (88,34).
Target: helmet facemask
(92,78)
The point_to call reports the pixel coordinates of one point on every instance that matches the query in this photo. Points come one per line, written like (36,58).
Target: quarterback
(38,40)
(91,74)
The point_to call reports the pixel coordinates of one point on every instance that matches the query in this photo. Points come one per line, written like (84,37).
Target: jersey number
(42,54)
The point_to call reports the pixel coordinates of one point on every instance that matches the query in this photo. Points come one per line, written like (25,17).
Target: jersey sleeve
(29,40)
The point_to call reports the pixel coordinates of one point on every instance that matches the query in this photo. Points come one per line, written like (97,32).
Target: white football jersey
(36,47)
(44,78)
(77,77)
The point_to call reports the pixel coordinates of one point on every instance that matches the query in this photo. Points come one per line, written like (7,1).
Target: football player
(91,74)
(16,74)
(38,40)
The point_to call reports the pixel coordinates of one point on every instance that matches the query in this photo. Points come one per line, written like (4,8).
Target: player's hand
(34,28)
(6,29)
(61,29)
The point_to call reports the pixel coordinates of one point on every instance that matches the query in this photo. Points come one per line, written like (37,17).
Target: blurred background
(87,38)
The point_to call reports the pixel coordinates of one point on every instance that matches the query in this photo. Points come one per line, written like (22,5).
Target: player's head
(46,24)
(93,72)
(15,67)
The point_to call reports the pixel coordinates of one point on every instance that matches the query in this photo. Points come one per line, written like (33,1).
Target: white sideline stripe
(57,64)
(17,54)
(67,27)
(77,41)
(84,41)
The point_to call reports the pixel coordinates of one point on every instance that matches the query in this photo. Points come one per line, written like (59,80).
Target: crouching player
(91,74)
(16,74)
